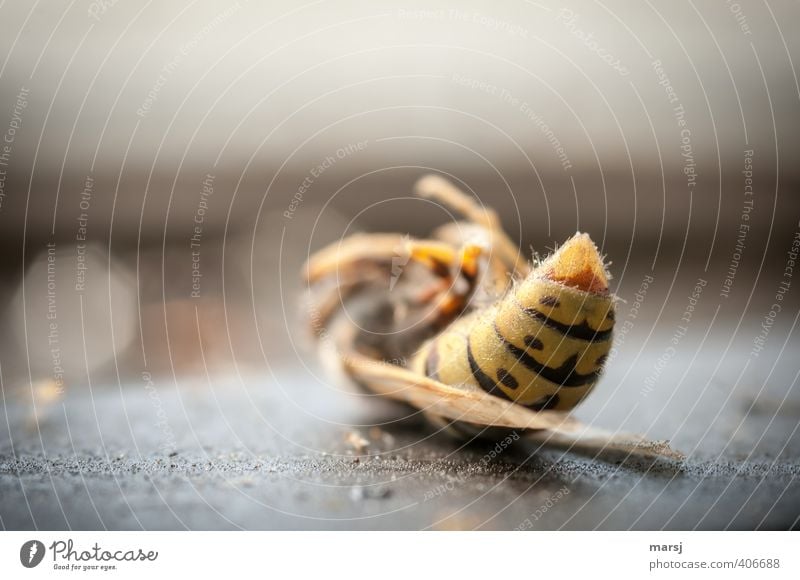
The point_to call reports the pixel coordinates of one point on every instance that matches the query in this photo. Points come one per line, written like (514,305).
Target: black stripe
(533,343)
(484,381)
(440,268)
(470,276)
(507,379)
(565,375)
(580,331)
(545,403)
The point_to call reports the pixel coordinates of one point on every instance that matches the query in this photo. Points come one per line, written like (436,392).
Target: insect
(462,327)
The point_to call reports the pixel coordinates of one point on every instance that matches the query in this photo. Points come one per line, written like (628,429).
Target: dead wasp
(466,330)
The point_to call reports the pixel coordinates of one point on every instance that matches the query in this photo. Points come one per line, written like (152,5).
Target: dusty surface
(250,453)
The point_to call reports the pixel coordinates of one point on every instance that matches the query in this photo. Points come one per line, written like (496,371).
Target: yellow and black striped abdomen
(543,345)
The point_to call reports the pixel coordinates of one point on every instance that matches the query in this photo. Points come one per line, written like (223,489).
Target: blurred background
(165,169)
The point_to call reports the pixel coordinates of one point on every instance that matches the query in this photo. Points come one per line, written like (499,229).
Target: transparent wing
(469,405)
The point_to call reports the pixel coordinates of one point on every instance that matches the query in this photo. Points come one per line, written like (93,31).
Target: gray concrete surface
(286,450)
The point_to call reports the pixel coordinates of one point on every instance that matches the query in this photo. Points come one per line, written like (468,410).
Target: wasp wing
(455,403)
(466,404)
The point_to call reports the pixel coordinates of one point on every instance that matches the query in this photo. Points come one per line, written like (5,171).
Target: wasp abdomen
(544,344)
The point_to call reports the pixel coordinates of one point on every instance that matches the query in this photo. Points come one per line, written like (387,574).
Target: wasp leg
(496,273)
(442,190)
(469,260)
(436,255)
(345,268)
(457,270)
(345,256)
(323,303)
(439,256)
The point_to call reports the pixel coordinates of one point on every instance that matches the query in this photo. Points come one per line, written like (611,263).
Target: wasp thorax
(544,344)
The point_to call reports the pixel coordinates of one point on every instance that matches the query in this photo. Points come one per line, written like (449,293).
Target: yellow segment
(556,347)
